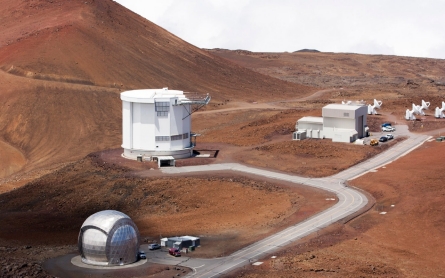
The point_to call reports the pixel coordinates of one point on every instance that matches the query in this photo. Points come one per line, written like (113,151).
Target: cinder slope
(348,70)
(63,64)
(102,43)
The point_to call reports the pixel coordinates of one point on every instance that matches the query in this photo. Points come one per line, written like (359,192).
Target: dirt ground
(407,241)
(397,81)
(62,67)
(262,138)
(55,206)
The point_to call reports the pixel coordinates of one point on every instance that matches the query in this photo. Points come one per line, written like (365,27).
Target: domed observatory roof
(109,238)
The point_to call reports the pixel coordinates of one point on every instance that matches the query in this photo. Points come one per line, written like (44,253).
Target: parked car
(386,124)
(389,136)
(174,252)
(374,142)
(383,139)
(388,129)
(154,246)
(141,255)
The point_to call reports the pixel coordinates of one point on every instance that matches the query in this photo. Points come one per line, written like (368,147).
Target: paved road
(349,202)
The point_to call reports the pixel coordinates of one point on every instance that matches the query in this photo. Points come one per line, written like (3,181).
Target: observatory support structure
(440,111)
(372,108)
(417,109)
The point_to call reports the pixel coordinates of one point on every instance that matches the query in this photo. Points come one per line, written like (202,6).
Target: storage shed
(157,122)
(181,242)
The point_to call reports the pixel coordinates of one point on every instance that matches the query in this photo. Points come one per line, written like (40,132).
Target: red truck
(174,252)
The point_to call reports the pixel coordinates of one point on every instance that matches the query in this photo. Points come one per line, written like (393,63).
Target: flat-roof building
(339,122)
(181,242)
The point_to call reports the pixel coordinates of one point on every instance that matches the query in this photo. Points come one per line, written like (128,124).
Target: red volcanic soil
(407,241)
(262,138)
(62,67)
(64,63)
(102,43)
(50,210)
(397,81)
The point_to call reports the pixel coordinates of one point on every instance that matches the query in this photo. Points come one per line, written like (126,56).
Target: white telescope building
(157,123)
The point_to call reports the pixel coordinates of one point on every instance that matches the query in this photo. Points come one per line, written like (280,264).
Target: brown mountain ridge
(62,67)
(63,64)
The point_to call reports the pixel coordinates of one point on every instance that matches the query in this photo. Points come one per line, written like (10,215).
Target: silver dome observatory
(109,238)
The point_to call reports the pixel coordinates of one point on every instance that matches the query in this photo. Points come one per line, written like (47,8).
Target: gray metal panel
(120,245)
(123,243)
(197,242)
(104,219)
(93,245)
(360,127)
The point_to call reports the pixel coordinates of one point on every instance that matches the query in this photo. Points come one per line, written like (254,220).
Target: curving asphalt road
(349,202)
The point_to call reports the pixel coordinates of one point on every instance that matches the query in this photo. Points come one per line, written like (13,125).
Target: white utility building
(339,122)
(156,123)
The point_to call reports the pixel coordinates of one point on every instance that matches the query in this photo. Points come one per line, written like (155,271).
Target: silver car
(388,129)
(142,255)
(154,246)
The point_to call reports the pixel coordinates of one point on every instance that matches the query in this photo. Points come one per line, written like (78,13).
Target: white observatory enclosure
(157,122)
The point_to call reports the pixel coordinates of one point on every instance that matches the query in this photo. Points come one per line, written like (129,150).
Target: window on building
(162,106)
(345,114)
(176,137)
(185,136)
(162,138)
(162,114)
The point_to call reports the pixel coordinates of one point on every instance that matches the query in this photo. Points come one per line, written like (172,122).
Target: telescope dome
(109,238)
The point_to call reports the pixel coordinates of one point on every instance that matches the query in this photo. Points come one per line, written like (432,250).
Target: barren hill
(63,63)
(325,69)
(104,44)
(397,81)
(62,67)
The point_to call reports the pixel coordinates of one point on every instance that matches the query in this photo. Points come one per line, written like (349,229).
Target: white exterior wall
(186,124)
(343,136)
(136,125)
(149,125)
(180,123)
(163,125)
(127,132)
(141,123)
(338,113)
(331,126)
(143,126)
(313,130)
(338,123)
(343,117)
(306,125)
